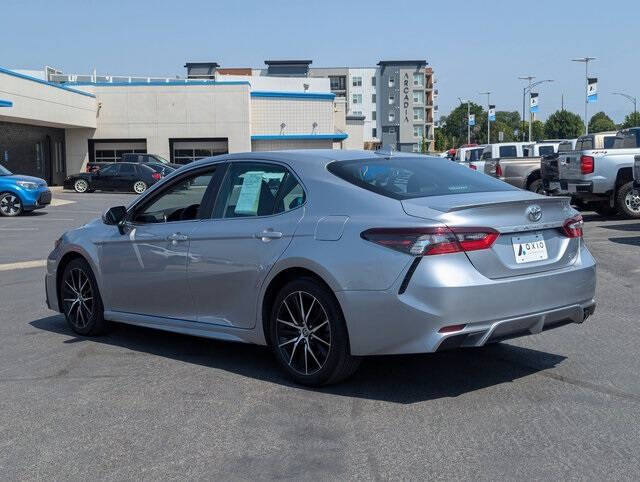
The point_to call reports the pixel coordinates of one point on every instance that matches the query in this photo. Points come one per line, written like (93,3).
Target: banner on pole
(472,120)
(592,89)
(492,113)
(534,102)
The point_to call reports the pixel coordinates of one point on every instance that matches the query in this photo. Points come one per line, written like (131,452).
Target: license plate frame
(529,248)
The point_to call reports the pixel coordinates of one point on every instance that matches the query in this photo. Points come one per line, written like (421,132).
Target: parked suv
(19,194)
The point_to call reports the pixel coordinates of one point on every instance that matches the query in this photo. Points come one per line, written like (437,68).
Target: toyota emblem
(534,213)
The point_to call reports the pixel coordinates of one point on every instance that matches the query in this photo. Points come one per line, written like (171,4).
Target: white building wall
(274,145)
(291,84)
(298,115)
(366,90)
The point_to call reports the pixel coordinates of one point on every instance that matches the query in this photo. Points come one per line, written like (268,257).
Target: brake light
(586,164)
(88,169)
(157,176)
(572,227)
(473,166)
(432,241)
(498,170)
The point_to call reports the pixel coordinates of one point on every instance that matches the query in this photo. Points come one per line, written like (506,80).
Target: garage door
(184,152)
(111,151)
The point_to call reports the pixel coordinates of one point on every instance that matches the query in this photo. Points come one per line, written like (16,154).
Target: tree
(537,130)
(456,127)
(424,147)
(601,122)
(441,141)
(632,120)
(563,124)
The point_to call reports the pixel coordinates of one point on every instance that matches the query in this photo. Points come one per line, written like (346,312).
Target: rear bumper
(447,290)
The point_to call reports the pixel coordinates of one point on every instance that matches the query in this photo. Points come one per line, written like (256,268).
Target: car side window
(111,170)
(257,189)
(180,202)
(126,169)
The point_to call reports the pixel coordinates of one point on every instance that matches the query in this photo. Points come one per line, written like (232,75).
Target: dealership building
(53,123)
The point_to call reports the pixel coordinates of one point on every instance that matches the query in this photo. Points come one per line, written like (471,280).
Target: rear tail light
(572,227)
(88,168)
(157,176)
(473,166)
(431,241)
(498,169)
(586,164)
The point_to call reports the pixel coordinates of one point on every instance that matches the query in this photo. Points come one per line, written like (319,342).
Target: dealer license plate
(529,248)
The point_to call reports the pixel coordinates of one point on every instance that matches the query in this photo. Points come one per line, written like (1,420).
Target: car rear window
(545,150)
(508,151)
(413,177)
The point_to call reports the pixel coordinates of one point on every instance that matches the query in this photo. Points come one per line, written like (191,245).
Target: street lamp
(524,93)
(468,125)
(586,61)
(488,94)
(632,99)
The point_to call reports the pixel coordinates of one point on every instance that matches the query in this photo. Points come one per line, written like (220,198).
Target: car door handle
(267,235)
(176,238)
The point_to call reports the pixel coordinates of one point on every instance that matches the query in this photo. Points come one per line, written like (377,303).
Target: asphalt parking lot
(144,404)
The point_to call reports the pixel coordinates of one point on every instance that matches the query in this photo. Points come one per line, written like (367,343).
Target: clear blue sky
(473,46)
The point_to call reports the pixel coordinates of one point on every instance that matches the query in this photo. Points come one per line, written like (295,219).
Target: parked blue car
(20,194)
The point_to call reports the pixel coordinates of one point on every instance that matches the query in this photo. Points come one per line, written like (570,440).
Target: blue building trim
(44,82)
(289,137)
(294,95)
(6,103)
(160,83)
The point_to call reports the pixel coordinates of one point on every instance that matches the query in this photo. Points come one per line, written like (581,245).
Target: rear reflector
(473,166)
(586,164)
(431,241)
(451,328)
(572,227)
(498,170)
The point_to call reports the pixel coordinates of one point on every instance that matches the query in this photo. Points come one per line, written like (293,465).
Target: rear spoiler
(461,207)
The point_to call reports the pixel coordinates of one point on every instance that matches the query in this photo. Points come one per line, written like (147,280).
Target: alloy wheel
(632,200)
(78,298)
(139,187)
(10,205)
(81,185)
(303,333)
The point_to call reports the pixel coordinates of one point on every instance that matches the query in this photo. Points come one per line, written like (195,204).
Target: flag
(472,120)
(492,113)
(592,89)
(534,102)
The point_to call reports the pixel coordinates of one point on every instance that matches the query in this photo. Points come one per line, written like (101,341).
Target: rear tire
(10,205)
(81,301)
(139,187)
(628,201)
(537,187)
(81,186)
(309,336)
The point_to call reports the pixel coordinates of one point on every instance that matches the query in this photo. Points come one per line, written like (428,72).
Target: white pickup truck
(602,177)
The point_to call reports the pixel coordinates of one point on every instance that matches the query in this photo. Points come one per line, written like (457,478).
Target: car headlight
(29,186)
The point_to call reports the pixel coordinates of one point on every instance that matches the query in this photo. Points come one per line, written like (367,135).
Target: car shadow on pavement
(403,379)
(630,228)
(630,240)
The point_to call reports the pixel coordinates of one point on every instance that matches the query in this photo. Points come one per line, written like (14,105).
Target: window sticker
(249,193)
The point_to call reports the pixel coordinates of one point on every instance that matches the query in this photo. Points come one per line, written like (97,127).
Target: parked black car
(123,176)
(134,158)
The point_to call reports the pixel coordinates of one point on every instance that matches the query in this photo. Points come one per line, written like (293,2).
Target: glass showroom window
(356,81)
(418,96)
(356,98)
(418,114)
(418,79)
(418,131)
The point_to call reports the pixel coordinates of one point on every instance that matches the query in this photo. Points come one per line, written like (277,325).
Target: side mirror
(114,216)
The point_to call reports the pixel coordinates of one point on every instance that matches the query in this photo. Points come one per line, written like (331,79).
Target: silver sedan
(328,256)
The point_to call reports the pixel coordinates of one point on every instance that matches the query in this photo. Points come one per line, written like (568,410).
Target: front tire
(628,201)
(10,205)
(81,301)
(81,186)
(139,187)
(309,336)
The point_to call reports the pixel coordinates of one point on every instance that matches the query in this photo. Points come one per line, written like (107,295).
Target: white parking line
(18,229)
(60,202)
(40,263)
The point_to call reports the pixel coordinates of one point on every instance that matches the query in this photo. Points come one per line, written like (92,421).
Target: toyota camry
(327,256)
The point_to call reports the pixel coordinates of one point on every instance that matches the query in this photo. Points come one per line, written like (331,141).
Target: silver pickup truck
(522,172)
(636,176)
(602,178)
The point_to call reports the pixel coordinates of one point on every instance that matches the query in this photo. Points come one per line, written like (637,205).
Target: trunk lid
(569,165)
(549,167)
(506,212)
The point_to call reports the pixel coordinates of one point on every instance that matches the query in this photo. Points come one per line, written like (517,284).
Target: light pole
(586,61)
(524,93)
(488,94)
(468,125)
(632,99)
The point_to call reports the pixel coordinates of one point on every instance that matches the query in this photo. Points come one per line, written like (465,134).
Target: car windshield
(157,167)
(412,177)
(4,171)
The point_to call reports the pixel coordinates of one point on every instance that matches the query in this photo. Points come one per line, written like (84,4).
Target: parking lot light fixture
(631,98)
(586,61)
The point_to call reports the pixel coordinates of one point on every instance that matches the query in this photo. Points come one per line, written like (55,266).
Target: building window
(373,81)
(373,115)
(374,132)
(356,81)
(418,114)
(418,79)
(392,130)
(418,131)
(392,99)
(392,117)
(337,82)
(356,98)
(392,82)
(356,112)
(418,96)
(373,98)
(114,155)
